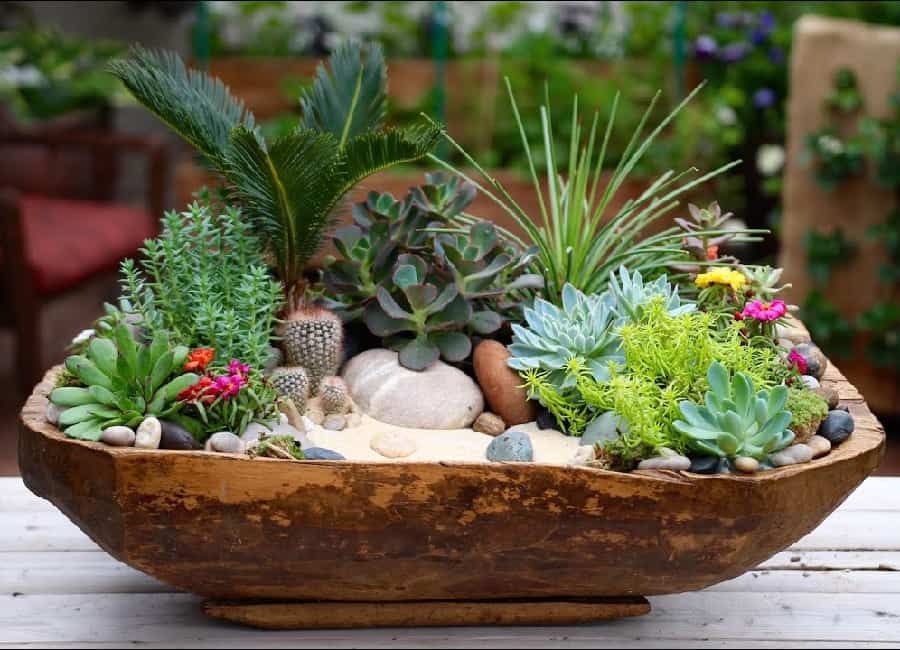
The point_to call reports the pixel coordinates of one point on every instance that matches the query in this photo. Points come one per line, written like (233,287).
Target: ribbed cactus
(292,382)
(313,337)
(335,396)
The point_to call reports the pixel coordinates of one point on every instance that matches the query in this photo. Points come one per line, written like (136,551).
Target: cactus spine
(313,337)
(292,382)
(335,396)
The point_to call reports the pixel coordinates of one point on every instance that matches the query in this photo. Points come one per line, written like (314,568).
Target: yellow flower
(723,276)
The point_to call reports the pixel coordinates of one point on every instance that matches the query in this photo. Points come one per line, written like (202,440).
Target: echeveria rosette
(583,329)
(734,420)
(428,324)
(628,294)
(123,382)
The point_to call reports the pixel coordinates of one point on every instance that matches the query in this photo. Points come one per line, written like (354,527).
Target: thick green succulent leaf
(161,371)
(456,314)
(447,295)
(179,356)
(406,275)
(776,424)
(454,346)
(418,354)
(777,398)
(102,352)
(71,396)
(86,430)
(485,322)
(390,306)
(728,443)
(127,361)
(104,396)
(78,414)
(382,325)
(90,374)
(717,376)
(420,295)
(742,389)
(526,281)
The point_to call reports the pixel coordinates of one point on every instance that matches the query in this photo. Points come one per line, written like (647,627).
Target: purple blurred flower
(764,98)
(776,55)
(705,47)
(734,52)
(766,22)
(727,19)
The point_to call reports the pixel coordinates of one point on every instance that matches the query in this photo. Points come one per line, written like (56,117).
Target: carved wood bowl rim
(868,437)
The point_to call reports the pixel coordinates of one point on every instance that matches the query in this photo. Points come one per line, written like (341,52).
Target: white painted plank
(822,582)
(41,531)
(684,618)
(794,560)
(72,572)
(851,530)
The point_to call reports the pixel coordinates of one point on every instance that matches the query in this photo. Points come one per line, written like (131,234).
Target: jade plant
(736,420)
(421,283)
(123,382)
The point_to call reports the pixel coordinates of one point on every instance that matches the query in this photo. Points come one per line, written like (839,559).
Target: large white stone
(441,397)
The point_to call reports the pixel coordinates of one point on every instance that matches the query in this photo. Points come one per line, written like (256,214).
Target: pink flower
(235,367)
(798,361)
(767,311)
(228,385)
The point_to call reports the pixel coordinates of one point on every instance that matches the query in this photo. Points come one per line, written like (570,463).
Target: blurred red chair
(51,243)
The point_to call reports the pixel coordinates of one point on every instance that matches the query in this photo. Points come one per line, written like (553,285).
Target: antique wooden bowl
(386,535)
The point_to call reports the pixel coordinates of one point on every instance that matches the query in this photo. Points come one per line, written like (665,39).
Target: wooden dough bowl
(234,529)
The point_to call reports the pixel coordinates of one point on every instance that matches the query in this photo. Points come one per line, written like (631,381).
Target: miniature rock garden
(592,338)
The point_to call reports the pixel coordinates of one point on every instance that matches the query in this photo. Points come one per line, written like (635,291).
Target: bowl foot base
(333,615)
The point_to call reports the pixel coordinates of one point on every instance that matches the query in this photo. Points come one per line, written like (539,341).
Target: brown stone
(490,424)
(829,394)
(501,384)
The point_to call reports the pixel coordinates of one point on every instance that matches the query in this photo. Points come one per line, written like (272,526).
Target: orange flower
(712,252)
(198,359)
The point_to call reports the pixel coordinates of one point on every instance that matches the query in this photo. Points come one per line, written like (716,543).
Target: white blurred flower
(83,336)
(770,159)
(831,144)
(21,76)
(726,115)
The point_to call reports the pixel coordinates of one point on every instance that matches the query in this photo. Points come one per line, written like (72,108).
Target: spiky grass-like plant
(579,241)
(288,187)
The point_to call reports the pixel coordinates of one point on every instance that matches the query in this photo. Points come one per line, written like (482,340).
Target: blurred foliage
(45,74)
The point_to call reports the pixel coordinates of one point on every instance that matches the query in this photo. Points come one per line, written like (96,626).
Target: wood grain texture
(427,613)
(229,528)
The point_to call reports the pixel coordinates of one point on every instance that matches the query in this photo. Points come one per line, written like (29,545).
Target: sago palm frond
(349,98)
(196,106)
(290,187)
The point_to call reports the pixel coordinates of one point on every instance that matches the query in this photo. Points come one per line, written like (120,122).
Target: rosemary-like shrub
(205,282)
(666,359)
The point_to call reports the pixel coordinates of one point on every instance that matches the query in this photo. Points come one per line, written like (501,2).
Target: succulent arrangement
(735,420)
(121,383)
(419,281)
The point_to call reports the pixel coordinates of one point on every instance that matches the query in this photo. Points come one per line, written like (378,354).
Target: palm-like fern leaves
(196,106)
(291,186)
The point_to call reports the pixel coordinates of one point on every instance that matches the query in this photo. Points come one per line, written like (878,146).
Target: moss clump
(807,409)
(277,447)
(666,360)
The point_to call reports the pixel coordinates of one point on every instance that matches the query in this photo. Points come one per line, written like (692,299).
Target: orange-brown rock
(501,384)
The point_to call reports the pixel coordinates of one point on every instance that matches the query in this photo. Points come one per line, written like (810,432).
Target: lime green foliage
(289,187)
(666,358)
(204,281)
(124,382)
(735,420)
(806,407)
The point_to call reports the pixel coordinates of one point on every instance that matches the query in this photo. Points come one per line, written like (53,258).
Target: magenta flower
(228,385)
(235,367)
(766,311)
(798,361)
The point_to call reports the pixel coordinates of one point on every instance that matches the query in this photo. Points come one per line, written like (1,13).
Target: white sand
(441,445)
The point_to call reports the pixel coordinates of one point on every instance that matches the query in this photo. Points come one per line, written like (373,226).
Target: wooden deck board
(838,587)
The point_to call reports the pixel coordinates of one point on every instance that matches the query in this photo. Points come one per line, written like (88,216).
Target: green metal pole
(679,47)
(440,47)
(200,35)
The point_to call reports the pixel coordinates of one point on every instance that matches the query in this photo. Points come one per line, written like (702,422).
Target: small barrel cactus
(313,337)
(292,382)
(335,396)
